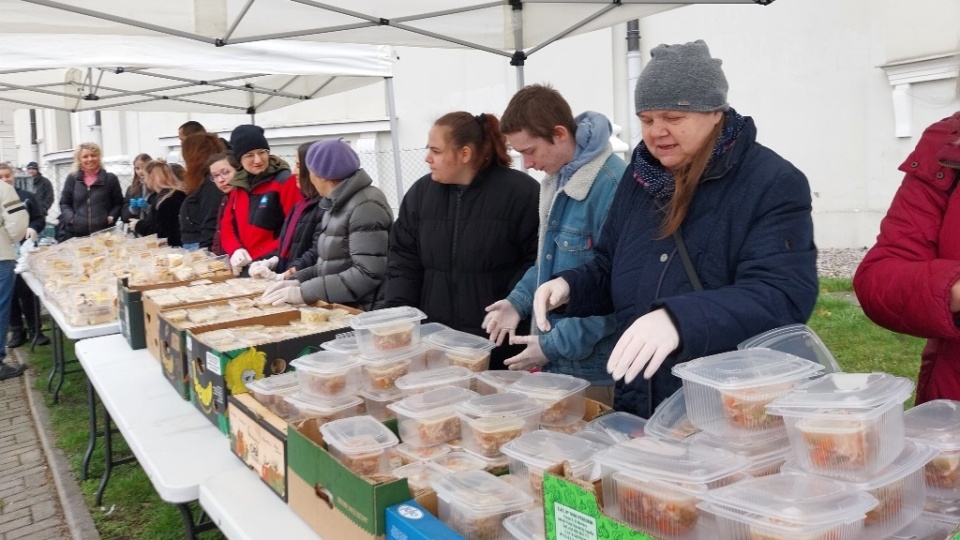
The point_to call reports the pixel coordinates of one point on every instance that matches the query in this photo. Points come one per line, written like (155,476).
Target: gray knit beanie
(682,78)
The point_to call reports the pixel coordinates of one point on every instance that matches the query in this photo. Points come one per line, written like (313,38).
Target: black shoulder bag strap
(687,263)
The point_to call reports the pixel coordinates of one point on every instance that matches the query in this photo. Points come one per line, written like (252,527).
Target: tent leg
(520,77)
(394,137)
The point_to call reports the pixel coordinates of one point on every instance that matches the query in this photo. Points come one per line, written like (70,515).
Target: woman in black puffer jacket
(91,197)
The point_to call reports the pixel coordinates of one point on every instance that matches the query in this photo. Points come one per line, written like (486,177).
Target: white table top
(70,331)
(233,502)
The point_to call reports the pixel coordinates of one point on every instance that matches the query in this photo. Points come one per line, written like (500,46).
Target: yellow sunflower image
(245,367)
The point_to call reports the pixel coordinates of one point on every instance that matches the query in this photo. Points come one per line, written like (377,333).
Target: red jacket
(904,281)
(256,227)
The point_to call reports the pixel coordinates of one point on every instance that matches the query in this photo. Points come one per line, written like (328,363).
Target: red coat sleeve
(228,233)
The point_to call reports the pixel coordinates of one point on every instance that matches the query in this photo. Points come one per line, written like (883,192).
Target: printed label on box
(573,525)
(213,363)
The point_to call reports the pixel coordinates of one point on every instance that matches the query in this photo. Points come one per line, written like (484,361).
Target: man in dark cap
(41,188)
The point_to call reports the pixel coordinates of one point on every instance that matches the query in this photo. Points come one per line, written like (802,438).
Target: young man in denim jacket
(582,176)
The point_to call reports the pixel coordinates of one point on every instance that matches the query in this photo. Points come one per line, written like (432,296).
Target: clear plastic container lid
(388,396)
(433,377)
(621,426)
(528,525)
(913,457)
(432,403)
(548,386)
(746,369)
(460,461)
(794,498)
(393,357)
(757,448)
(798,340)
(543,448)
(412,453)
(420,474)
(671,461)
(345,343)
(846,391)
(432,328)
(278,384)
(358,435)
(481,492)
(324,363)
(596,437)
(460,342)
(495,405)
(386,317)
(936,423)
(501,378)
(669,421)
(322,406)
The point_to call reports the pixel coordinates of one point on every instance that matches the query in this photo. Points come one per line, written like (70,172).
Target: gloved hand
(272,262)
(259,269)
(549,296)
(648,342)
(531,358)
(238,260)
(279,286)
(287,295)
(31,235)
(500,321)
(137,203)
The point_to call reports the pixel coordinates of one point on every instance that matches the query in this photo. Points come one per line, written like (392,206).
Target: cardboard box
(413,520)
(259,438)
(330,498)
(151,320)
(572,511)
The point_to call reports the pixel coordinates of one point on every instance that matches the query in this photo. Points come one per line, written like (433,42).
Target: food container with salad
(531,454)
(429,418)
(670,421)
(562,396)
(386,331)
(475,503)
(937,423)
(460,349)
(361,443)
(321,410)
(420,474)
(381,374)
(766,453)
(491,421)
(497,381)
(419,382)
(327,374)
(271,391)
(526,526)
(376,403)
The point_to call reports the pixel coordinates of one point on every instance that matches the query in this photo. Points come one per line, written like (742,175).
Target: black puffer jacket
(198,214)
(85,210)
(302,251)
(454,251)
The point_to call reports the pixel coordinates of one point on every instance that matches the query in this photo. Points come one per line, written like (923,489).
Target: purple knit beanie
(332,159)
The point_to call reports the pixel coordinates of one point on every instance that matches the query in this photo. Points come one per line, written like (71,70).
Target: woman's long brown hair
(686,181)
(197,149)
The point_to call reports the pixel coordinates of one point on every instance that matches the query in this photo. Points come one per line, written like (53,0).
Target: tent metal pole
(394,137)
(520,77)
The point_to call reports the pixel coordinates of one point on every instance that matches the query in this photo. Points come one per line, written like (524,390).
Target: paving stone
(31,529)
(7,517)
(15,524)
(43,510)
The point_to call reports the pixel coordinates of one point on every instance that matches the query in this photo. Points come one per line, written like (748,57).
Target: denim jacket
(570,222)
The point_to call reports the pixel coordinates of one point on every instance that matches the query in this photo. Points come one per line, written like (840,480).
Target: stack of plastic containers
(360,443)
(526,526)
(531,454)
(327,382)
(766,453)
(937,424)
(613,428)
(655,485)
(670,421)
(789,507)
(429,419)
(454,348)
(419,382)
(496,382)
(271,391)
(798,340)
(475,504)
(562,396)
(489,422)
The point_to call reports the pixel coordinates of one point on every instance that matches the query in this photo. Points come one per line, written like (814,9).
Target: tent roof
(160,73)
(498,26)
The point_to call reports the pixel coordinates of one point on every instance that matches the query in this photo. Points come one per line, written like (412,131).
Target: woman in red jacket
(263,195)
(909,282)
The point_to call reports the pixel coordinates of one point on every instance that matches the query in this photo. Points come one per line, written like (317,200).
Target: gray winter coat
(351,247)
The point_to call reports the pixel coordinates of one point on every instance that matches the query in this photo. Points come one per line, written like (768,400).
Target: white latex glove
(531,358)
(648,342)
(286,284)
(288,295)
(259,269)
(238,260)
(549,296)
(272,262)
(31,235)
(500,321)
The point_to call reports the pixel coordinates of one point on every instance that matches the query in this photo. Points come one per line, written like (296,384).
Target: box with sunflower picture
(222,361)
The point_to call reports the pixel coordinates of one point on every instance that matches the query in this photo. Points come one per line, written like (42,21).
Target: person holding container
(709,239)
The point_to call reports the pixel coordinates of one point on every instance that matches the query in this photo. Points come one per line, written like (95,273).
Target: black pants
(22,307)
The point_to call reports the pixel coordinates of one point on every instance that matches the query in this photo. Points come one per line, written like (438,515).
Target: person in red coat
(264,193)
(909,282)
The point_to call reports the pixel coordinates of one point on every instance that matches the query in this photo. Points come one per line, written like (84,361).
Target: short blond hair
(93,147)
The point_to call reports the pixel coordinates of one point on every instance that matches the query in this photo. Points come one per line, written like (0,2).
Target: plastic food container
(529,455)
(304,406)
(526,526)
(727,393)
(360,443)
(345,343)
(381,374)
(386,331)
(798,340)
(271,391)
(326,374)
(376,403)
(937,423)
(460,461)
(656,485)
(497,381)
(562,396)
(925,527)
(569,429)
(619,426)
(460,349)
(669,421)
(846,425)
(475,503)
(766,453)
(423,381)
(429,418)
(407,454)
(491,421)
(420,475)
(899,490)
(789,507)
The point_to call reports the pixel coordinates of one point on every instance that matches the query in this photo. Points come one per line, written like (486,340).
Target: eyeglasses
(224,174)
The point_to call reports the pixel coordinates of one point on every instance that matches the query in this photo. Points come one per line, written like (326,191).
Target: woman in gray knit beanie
(709,240)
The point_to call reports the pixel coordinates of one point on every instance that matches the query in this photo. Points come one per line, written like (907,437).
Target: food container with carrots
(937,423)
(387,331)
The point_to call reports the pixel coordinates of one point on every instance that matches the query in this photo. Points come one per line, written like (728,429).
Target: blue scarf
(658,181)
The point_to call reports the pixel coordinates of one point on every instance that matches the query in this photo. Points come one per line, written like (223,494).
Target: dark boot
(9,372)
(38,338)
(18,336)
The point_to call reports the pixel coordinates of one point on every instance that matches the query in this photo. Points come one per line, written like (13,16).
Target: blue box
(410,521)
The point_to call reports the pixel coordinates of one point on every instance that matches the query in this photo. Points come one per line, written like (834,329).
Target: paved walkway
(35,481)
